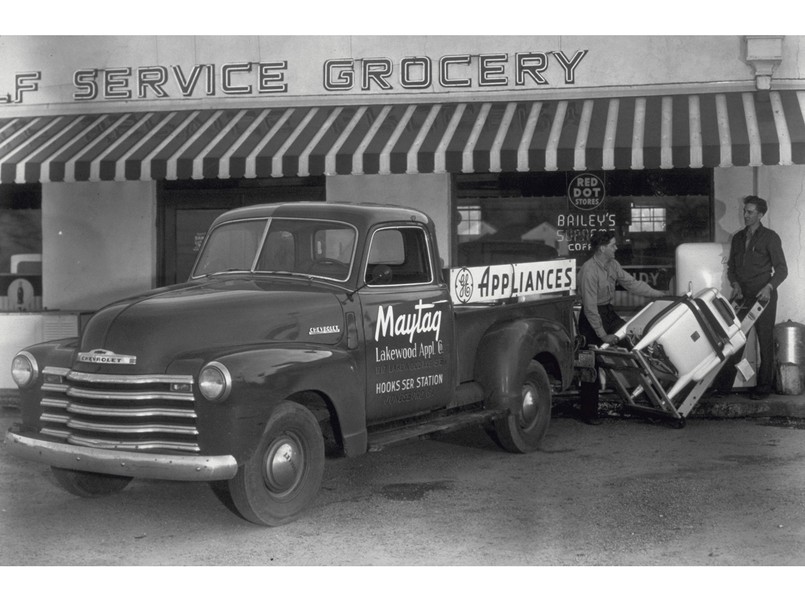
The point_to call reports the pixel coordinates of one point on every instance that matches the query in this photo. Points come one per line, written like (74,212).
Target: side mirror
(381,275)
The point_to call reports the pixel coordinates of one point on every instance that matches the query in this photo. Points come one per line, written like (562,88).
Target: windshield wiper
(233,270)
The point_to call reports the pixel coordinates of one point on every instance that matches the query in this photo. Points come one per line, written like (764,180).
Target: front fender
(262,378)
(52,354)
(506,350)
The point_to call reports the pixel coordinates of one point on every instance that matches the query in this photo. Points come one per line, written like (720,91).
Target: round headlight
(214,381)
(24,369)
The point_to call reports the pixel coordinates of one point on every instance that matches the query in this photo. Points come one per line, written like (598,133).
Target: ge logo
(463,285)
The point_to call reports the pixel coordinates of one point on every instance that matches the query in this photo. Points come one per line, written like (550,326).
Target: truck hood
(198,319)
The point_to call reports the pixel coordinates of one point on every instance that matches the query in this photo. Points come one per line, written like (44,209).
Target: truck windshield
(306,246)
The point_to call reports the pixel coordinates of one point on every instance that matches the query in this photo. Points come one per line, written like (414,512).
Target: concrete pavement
(739,405)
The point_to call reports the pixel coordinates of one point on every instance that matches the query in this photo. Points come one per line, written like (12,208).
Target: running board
(379,439)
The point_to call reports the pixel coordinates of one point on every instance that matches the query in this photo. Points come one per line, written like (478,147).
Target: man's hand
(764,295)
(737,295)
(610,338)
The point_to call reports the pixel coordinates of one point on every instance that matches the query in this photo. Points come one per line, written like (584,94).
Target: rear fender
(506,350)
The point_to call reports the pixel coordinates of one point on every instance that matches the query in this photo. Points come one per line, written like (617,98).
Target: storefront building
(115,155)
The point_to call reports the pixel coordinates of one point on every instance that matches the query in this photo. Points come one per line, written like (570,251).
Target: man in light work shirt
(598,320)
(755,268)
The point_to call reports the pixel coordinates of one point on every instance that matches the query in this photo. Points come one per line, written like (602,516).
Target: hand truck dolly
(677,347)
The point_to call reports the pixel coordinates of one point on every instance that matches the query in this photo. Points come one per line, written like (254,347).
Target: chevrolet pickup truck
(305,331)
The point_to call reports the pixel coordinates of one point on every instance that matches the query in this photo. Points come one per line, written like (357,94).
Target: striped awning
(672,131)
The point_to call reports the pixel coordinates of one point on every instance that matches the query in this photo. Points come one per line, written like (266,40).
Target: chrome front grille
(131,412)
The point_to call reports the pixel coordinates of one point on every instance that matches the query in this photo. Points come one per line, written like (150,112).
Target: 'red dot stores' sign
(586,192)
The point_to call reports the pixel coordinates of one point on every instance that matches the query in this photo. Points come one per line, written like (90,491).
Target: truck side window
(404,251)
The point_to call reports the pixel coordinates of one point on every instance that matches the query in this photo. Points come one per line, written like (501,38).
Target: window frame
(429,257)
(648,215)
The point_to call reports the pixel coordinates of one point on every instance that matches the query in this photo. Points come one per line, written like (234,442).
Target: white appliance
(678,348)
(701,265)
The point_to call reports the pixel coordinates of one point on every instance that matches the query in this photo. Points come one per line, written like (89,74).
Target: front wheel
(523,429)
(285,472)
(89,484)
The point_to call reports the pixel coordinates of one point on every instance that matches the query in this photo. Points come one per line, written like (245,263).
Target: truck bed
(473,320)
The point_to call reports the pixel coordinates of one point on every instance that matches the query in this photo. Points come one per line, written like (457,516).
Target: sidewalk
(733,405)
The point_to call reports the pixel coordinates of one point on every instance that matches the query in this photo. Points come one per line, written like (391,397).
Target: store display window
(510,217)
(20,247)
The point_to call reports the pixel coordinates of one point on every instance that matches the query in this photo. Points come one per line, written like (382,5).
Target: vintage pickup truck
(305,331)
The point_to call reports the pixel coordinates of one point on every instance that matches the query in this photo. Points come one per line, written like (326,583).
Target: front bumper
(121,463)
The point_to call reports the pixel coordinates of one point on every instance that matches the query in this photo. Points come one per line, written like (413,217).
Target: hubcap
(285,462)
(529,411)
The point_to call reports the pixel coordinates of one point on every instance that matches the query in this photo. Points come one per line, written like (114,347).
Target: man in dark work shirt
(755,268)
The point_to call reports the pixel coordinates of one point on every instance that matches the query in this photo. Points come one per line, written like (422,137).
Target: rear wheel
(523,429)
(285,472)
(89,484)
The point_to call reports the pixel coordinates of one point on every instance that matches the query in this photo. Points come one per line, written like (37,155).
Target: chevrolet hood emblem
(100,356)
